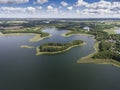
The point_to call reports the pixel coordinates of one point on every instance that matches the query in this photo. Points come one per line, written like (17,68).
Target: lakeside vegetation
(53,48)
(107,41)
(27,30)
(36,31)
(107,47)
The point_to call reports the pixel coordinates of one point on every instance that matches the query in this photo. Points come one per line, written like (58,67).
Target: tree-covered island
(53,48)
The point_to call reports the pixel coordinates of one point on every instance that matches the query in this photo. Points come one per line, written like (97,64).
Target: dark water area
(21,69)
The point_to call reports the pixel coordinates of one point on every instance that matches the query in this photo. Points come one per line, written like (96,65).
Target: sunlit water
(21,69)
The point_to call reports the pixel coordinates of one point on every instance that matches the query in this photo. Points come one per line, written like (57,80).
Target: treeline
(116,39)
(55,47)
(27,30)
(106,51)
(94,26)
(100,35)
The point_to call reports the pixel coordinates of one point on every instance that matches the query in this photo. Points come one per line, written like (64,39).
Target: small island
(26,46)
(54,48)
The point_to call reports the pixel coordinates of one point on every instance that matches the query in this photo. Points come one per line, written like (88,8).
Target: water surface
(21,69)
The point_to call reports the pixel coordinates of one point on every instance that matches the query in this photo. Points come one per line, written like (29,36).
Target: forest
(34,30)
(56,47)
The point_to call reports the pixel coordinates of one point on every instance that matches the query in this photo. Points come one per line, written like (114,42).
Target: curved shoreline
(16,34)
(36,37)
(89,59)
(64,34)
(40,53)
(86,59)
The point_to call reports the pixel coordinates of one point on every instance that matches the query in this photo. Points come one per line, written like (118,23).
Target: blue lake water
(21,69)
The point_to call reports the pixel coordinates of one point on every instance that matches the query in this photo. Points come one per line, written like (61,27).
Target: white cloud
(102,8)
(18,9)
(78,11)
(100,5)
(39,8)
(12,9)
(70,7)
(97,9)
(81,3)
(42,1)
(49,7)
(64,3)
(13,1)
(31,9)
(52,9)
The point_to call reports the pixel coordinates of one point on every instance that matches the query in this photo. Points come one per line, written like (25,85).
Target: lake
(21,69)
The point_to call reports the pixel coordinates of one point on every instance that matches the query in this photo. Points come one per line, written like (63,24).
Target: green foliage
(100,35)
(103,55)
(105,45)
(27,30)
(106,51)
(107,55)
(55,47)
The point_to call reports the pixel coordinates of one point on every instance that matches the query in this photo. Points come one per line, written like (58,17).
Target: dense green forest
(27,30)
(56,47)
(108,50)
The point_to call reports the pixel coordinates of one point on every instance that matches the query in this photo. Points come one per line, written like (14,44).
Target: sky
(59,8)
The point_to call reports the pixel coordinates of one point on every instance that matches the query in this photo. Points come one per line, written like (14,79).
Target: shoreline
(64,34)
(36,37)
(16,34)
(88,59)
(50,53)
(85,59)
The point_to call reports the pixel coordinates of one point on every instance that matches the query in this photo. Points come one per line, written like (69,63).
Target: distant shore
(36,37)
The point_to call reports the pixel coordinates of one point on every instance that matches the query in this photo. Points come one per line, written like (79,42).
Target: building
(86,28)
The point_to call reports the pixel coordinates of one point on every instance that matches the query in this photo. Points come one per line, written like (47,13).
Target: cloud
(81,8)
(101,8)
(13,1)
(11,9)
(70,7)
(49,7)
(100,5)
(39,8)
(20,9)
(52,9)
(31,9)
(42,1)
(77,11)
(64,3)
(81,3)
